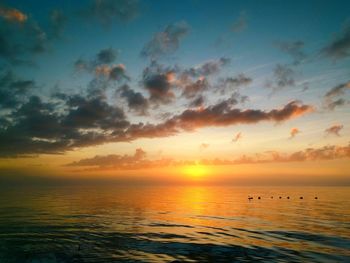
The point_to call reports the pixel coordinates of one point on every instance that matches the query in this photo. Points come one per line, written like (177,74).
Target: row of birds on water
(259,197)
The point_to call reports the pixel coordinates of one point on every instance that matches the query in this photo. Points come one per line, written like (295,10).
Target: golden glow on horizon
(196,170)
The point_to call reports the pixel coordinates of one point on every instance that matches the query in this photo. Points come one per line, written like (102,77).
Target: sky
(215,91)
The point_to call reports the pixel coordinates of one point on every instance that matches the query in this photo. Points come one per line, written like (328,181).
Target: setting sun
(196,170)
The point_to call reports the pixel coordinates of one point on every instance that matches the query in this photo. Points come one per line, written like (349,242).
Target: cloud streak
(139,160)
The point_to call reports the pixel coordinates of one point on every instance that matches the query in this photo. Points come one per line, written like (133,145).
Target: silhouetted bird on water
(259,197)
(301,197)
(250,198)
(316,197)
(271,197)
(287,197)
(280,197)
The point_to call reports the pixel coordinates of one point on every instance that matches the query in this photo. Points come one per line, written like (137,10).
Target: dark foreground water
(164,224)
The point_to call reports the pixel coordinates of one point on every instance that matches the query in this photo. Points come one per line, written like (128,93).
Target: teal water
(165,224)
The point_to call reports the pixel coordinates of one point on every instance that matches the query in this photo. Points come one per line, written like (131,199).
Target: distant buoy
(259,197)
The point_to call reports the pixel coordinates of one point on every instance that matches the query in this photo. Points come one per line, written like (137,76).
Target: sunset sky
(175,90)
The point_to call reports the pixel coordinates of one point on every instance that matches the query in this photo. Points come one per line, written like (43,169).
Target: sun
(195,170)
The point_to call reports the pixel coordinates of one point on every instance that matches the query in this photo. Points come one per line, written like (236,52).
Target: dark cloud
(218,115)
(339,47)
(232,83)
(13,90)
(101,62)
(159,81)
(294,49)
(197,102)
(101,66)
(335,129)
(338,90)
(106,56)
(192,89)
(57,21)
(69,122)
(167,41)
(240,24)
(208,68)
(113,160)
(332,97)
(21,40)
(136,101)
(108,11)
(118,73)
(283,77)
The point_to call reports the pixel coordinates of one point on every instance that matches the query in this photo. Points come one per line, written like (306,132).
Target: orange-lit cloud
(139,160)
(219,115)
(237,137)
(13,15)
(294,132)
(335,129)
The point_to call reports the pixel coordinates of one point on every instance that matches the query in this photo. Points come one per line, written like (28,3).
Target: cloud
(20,37)
(118,73)
(197,102)
(106,56)
(233,83)
(338,48)
(218,115)
(139,160)
(203,146)
(57,21)
(103,58)
(283,77)
(294,132)
(136,101)
(12,14)
(338,90)
(101,65)
(167,41)
(65,123)
(208,68)
(34,124)
(113,160)
(192,89)
(13,90)
(294,49)
(335,129)
(240,24)
(108,11)
(331,98)
(324,153)
(159,81)
(237,137)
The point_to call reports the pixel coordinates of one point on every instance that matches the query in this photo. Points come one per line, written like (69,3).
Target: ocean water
(180,224)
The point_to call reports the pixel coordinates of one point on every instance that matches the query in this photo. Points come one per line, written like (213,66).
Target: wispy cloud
(335,129)
(167,41)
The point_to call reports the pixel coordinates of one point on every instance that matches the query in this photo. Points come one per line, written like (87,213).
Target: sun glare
(195,170)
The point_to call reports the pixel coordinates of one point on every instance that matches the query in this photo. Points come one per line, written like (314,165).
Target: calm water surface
(164,224)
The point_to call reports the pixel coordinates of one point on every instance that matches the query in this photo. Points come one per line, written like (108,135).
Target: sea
(124,223)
